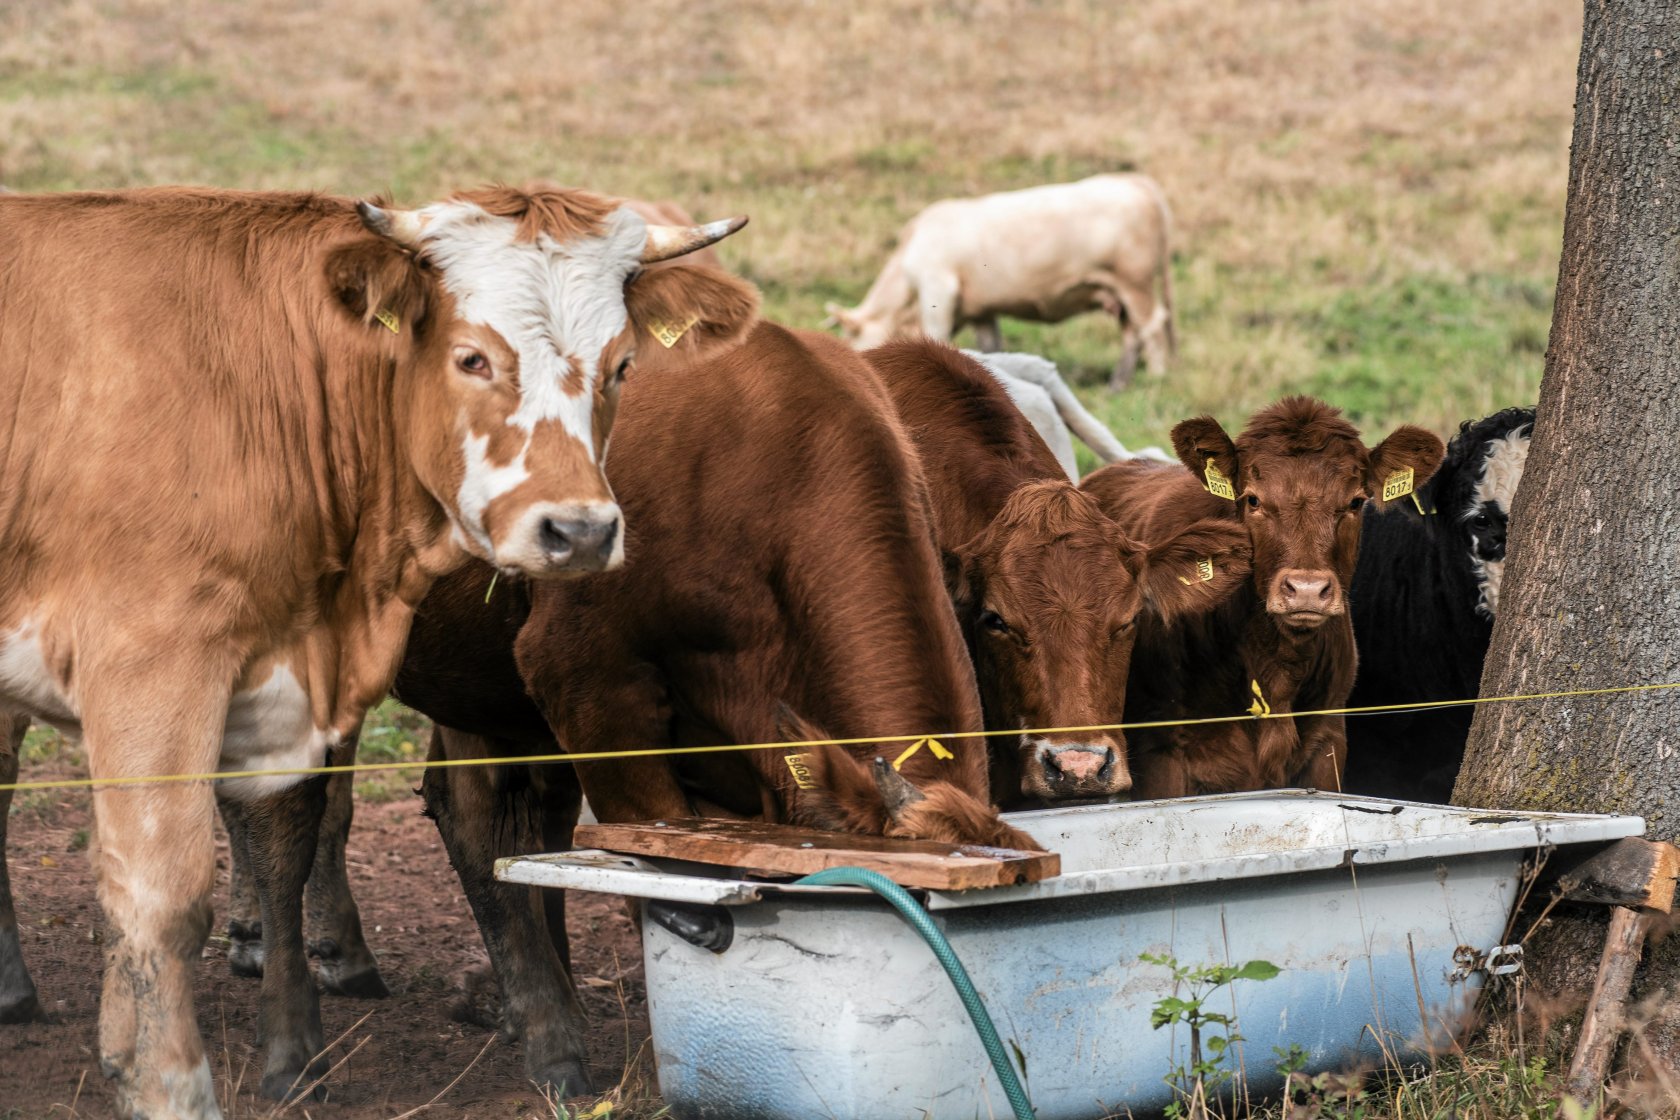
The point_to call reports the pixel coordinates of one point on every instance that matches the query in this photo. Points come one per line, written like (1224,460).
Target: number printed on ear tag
(1218,485)
(800,770)
(670,333)
(388,320)
(1399,484)
(1204,571)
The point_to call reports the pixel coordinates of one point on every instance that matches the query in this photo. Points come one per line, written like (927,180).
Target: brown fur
(1029,551)
(800,575)
(1298,468)
(562,213)
(779,550)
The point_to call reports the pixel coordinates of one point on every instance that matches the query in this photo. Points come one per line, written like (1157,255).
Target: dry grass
(1368,194)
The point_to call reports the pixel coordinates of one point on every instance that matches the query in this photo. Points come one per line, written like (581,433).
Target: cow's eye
(1357,504)
(991,620)
(1480,521)
(473,363)
(1123,630)
(1253,502)
(623,368)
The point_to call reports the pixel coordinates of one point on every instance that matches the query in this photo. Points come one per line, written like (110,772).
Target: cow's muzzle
(1304,599)
(1060,771)
(567,539)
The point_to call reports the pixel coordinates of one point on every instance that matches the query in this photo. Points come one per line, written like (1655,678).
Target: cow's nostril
(558,538)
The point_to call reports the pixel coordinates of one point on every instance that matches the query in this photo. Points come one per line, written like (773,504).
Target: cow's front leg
(347,965)
(155,859)
(244,914)
(987,338)
(18,1002)
(483,812)
(1324,753)
(280,836)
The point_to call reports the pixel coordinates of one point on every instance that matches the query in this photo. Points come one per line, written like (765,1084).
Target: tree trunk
(1591,596)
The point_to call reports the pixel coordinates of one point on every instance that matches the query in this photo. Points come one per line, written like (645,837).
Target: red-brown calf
(1047,587)
(1295,480)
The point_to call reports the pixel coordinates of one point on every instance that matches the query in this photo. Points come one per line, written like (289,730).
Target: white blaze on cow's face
(1496,489)
(536,342)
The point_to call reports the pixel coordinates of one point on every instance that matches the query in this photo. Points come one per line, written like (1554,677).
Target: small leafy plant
(1206,1073)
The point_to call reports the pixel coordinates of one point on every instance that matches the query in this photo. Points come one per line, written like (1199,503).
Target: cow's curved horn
(665,242)
(896,789)
(402,226)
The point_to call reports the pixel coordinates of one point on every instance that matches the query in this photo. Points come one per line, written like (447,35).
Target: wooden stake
(1603,1023)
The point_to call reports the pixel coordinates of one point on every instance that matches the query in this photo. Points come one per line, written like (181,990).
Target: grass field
(1368,194)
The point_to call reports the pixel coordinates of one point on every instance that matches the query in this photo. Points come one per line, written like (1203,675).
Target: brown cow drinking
(1295,479)
(1047,587)
(781,578)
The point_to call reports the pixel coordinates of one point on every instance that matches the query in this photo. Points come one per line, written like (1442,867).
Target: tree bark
(1591,595)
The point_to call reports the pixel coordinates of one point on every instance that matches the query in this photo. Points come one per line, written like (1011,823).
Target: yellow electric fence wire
(604,756)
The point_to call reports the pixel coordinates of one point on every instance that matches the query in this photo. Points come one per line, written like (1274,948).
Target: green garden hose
(918,918)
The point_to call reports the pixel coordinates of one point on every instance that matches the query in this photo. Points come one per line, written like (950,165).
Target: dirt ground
(417,922)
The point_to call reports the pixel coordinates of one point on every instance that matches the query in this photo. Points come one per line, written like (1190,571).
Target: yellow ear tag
(1419,505)
(1259,707)
(670,333)
(1204,571)
(1399,484)
(388,320)
(800,770)
(1218,485)
(933,745)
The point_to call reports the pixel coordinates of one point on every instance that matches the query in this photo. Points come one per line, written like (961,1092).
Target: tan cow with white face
(246,432)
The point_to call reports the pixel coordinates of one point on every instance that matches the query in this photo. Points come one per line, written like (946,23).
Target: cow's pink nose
(1305,591)
(1081,766)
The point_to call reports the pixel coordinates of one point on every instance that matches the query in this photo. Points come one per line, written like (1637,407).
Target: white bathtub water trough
(825,1004)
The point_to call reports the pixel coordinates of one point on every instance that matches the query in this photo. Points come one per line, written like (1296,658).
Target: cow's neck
(389,540)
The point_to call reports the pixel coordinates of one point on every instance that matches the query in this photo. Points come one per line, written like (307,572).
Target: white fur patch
(28,683)
(270,727)
(1502,470)
(482,483)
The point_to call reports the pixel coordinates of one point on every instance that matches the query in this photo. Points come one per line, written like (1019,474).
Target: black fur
(1415,621)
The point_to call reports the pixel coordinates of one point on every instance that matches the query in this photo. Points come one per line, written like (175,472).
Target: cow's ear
(1201,440)
(1408,448)
(1194,570)
(684,312)
(380,283)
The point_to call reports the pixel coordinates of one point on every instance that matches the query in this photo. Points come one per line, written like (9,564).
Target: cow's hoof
(360,983)
(564,1079)
(245,948)
(290,1085)
(24,1009)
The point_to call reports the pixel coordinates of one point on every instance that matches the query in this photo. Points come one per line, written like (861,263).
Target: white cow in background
(1037,388)
(1043,254)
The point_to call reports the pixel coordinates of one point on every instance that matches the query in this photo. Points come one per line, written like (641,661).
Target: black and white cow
(1424,596)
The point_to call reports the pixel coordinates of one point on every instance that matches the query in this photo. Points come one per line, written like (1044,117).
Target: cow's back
(1012,248)
(159,388)
(975,446)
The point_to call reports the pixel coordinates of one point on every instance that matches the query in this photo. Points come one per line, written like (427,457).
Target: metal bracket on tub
(705,927)
(1501,960)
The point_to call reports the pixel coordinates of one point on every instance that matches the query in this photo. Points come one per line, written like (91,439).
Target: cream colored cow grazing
(246,433)
(1044,254)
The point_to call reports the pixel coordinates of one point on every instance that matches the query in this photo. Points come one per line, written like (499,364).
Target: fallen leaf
(596,982)
(48,861)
